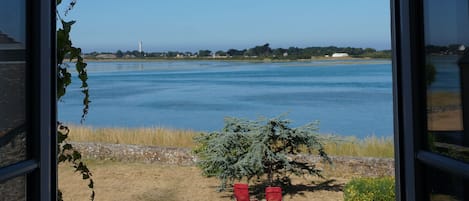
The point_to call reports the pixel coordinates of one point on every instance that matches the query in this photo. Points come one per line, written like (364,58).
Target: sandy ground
(136,181)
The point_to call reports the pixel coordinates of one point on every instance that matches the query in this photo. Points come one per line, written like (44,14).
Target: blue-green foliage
(370,189)
(247,149)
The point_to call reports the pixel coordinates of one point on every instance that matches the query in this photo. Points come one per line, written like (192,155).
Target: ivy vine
(65,49)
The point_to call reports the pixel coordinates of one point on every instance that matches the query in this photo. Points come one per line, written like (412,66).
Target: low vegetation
(370,189)
(334,145)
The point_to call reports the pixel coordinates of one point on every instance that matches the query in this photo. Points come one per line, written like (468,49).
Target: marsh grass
(372,146)
(142,136)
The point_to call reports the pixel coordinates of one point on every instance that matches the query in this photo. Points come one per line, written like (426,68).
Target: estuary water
(346,97)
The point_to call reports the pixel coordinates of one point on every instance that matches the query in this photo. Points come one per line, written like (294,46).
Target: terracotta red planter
(273,194)
(241,192)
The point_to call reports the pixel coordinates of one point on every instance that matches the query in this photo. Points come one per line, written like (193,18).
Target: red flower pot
(241,192)
(273,194)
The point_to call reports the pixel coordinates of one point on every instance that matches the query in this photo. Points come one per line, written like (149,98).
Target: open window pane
(446,25)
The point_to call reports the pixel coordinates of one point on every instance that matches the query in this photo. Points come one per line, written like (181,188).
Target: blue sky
(190,25)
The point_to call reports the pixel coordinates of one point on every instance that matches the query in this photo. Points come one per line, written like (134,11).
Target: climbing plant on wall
(68,55)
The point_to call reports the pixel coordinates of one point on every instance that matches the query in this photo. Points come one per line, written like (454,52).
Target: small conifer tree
(261,149)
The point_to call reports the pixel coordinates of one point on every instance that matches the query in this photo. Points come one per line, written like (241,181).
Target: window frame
(41,111)
(411,158)
(408,102)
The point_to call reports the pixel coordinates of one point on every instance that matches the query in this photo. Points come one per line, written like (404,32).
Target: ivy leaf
(67,26)
(62,158)
(76,155)
(91,184)
(61,137)
(67,147)
(81,67)
(75,53)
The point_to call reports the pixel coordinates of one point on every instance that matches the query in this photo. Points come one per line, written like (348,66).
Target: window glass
(446,25)
(13,189)
(444,186)
(12,82)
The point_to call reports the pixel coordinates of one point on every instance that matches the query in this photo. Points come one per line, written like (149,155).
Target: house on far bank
(106,56)
(340,54)
(129,56)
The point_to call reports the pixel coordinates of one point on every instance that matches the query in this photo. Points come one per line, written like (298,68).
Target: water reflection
(447,74)
(443,93)
(453,188)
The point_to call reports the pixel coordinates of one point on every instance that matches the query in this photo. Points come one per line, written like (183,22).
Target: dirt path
(115,181)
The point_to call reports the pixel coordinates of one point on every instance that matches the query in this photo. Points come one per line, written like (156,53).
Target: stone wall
(136,153)
(349,166)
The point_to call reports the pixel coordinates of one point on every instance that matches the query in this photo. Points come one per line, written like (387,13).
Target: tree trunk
(270,176)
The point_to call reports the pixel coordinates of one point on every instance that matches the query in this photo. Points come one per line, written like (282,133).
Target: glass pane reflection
(442,186)
(446,25)
(13,189)
(12,82)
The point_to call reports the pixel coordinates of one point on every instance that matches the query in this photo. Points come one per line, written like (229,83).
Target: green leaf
(61,137)
(62,158)
(81,66)
(67,147)
(67,26)
(76,155)
(91,184)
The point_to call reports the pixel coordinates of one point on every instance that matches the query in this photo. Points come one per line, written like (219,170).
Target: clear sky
(190,25)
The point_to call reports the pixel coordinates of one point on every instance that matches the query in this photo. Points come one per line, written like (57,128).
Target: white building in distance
(140,48)
(340,54)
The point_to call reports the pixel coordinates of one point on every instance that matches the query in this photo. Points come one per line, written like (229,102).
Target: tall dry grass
(141,136)
(372,146)
(336,146)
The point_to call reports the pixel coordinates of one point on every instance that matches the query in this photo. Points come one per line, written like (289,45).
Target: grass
(141,136)
(372,146)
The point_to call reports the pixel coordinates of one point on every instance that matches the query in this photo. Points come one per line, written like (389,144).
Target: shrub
(247,149)
(370,189)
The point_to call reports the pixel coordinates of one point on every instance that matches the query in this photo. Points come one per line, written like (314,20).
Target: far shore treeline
(254,53)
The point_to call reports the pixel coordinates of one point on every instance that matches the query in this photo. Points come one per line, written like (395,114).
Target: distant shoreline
(254,60)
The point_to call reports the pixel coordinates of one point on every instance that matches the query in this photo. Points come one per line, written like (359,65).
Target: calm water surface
(348,98)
